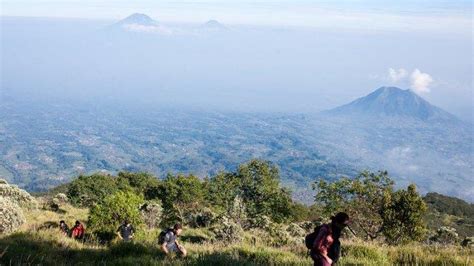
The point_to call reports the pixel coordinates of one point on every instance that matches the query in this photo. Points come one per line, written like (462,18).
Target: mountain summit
(393,101)
(213,25)
(138,19)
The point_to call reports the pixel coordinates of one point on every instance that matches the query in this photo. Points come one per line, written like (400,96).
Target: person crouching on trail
(64,228)
(78,231)
(326,246)
(168,240)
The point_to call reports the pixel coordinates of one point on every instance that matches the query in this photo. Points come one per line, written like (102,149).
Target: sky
(424,14)
(359,45)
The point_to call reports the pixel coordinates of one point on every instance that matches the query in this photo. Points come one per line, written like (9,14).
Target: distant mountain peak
(393,101)
(214,25)
(139,19)
(137,22)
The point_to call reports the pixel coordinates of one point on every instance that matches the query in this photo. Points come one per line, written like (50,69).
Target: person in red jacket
(322,252)
(77,231)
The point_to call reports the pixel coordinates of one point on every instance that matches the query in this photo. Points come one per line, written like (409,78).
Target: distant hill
(393,101)
(449,205)
(450,211)
(138,19)
(213,25)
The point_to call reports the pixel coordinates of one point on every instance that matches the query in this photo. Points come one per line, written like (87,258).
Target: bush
(445,235)
(226,230)
(11,216)
(237,211)
(60,198)
(468,242)
(51,205)
(296,231)
(261,222)
(279,235)
(200,218)
(151,213)
(17,195)
(106,217)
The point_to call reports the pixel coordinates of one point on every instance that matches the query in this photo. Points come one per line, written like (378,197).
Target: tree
(140,182)
(360,197)
(106,217)
(402,216)
(89,190)
(222,190)
(180,194)
(260,190)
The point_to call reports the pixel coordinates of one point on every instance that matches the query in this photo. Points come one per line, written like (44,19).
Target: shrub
(51,205)
(308,226)
(151,213)
(261,222)
(238,212)
(106,217)
(296,231)
(11,216)
(279,235)
(445,235)
(61,198)
(226,230)
(202,217)
(17,195)
(468,242)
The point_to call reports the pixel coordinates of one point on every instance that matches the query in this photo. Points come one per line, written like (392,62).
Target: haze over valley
(140,94)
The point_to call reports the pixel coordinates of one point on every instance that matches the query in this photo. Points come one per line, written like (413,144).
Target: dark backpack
(309,238)
(162,235)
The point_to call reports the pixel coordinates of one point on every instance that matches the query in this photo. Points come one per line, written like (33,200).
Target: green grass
(36,244)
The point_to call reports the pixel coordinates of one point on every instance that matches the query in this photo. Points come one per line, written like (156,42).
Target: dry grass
(37,243)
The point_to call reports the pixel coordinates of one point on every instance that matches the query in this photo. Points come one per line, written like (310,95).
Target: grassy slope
(35,244)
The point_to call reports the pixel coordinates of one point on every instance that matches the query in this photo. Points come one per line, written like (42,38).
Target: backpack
(162,235)
(309,238)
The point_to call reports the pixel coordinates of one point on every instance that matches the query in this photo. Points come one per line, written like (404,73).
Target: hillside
(450,211)
(242,231)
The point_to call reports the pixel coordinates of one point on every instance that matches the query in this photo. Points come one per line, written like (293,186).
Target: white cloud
(397,75)
(420,81)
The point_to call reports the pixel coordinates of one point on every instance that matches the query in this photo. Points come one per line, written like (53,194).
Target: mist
(236,68)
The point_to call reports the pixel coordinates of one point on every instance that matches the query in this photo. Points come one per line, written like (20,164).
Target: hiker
(169,243)
(63,227)
(326,246)
(77,231)
(126,231)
